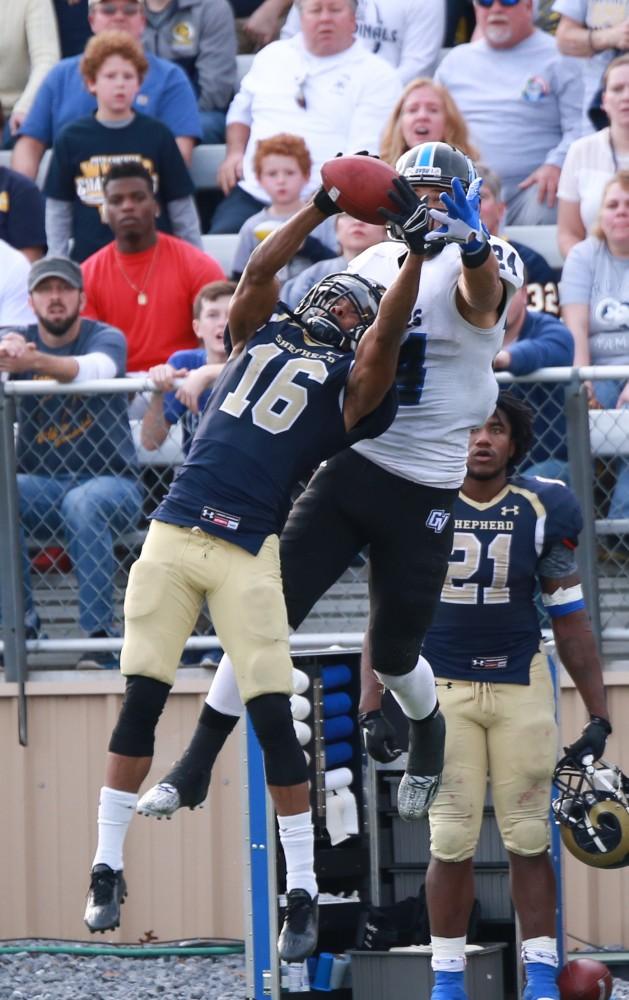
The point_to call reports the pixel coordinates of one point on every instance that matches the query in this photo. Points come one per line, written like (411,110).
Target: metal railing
(591,445)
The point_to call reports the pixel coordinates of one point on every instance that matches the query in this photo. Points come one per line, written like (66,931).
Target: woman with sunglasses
(593,159)
(521,101)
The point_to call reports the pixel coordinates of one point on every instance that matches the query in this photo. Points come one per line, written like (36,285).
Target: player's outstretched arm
(480,290)
(378,350)
(258,289)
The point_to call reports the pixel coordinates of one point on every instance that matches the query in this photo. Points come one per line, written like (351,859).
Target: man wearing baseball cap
(166,92)
(76,462)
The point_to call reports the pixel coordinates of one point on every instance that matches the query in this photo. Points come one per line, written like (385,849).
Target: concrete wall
(185,875)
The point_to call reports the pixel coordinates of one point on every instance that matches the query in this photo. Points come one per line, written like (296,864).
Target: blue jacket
(544,342)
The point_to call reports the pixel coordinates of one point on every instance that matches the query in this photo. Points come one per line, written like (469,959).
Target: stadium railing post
(12,589)
(580,457)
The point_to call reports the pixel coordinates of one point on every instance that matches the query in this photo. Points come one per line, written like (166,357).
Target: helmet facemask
(316,315)
(592,809)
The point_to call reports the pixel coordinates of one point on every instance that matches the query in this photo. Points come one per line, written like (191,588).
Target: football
(585,979)
(359,185)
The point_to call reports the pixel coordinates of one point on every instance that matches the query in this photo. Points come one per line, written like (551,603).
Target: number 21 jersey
(486,626)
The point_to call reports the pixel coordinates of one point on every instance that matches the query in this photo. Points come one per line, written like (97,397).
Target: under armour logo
(437,520)
(509,510)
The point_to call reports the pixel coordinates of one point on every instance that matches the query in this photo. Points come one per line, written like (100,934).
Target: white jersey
(445,379)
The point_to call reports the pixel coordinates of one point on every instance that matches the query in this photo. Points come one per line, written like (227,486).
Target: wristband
(325,203)
(477,256)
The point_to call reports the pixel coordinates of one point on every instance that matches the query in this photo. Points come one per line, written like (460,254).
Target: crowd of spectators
(121,92)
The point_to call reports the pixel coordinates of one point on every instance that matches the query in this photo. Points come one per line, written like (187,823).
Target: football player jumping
(395,493)
(296,389)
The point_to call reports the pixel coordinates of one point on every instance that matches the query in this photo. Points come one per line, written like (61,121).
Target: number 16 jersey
(445,379)
(275,413)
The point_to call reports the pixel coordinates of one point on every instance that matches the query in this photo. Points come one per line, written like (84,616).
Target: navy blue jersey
(275,413)
(486,626)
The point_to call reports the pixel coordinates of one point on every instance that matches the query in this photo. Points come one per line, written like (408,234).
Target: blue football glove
(462,222)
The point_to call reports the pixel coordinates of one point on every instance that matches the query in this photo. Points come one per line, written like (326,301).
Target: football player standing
(511,534)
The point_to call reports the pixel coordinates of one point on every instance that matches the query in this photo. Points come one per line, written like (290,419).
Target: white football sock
(540,949)
(414,692)
(448,954)
(297,839)
(115,812)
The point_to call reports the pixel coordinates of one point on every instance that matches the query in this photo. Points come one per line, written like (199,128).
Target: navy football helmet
(592,809)
(315,309)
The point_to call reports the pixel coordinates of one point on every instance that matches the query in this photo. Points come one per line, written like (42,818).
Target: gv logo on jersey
(437,520)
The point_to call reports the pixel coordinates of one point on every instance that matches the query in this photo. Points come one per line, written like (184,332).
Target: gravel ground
(24,976)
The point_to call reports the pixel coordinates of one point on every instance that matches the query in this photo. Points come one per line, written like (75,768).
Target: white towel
(334,819)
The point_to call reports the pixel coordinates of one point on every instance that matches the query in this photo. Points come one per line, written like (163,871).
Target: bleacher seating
(540,238)
(221,246)
(206,160)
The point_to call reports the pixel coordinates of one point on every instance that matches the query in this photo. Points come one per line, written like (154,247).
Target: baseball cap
(55,267)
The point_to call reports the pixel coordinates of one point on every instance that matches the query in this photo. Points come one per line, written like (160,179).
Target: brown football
(585,979)
(359,185)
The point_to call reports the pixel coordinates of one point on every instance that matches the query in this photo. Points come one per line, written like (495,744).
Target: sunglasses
(129,9)
(503,3)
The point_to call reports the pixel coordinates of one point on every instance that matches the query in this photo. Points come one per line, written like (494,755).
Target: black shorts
(351,503)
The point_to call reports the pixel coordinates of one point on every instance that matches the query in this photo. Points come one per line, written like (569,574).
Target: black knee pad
(394,654)
(134,733)
(284,760)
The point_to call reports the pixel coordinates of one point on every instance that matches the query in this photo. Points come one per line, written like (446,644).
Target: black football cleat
(299,934)
(108,890)
(184,785)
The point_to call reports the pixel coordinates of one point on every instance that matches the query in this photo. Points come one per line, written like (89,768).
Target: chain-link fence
(77,487)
